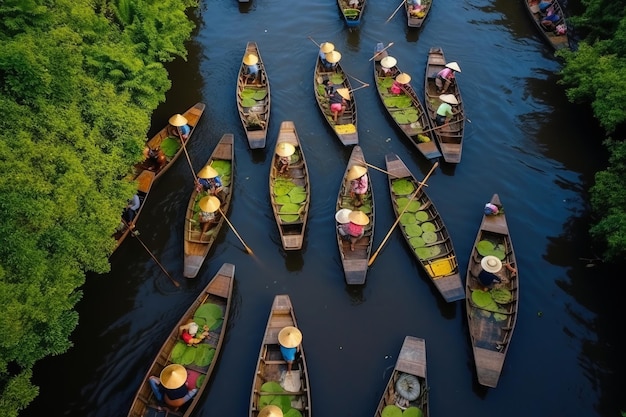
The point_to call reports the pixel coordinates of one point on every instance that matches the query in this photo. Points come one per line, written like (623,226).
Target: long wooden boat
(558,39)
(167,145)
(408,384)
(211,308)
(424,230)
(351,13)
(355,261)
(405,109)
(144,183)
(450,136)
(254,100)
(290,192)
(272,383)
(492,314)
(197,245)
(346,127)
(415,18)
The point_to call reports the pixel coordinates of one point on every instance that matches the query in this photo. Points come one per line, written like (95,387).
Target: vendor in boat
(444,111)
(180,127)
(155,158)
(171,387)
(284,151)
(491,265)
(131,209)
(289,339)
(415,7)
(325,48)
(493,209)
(359,183)
(354,228)
(401,79)
(387,65)
(208,181)
(445,77)
(333,58)
(251,71)
(209,206)
(338,102)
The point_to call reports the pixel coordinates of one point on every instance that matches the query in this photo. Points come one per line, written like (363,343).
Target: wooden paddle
(182,141)
(383,171)
(135,234)
(381,51)
(235,232)
(395,11)
(373,258)
(439,127)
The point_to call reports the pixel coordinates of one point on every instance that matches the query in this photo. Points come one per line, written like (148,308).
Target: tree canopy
(78,82)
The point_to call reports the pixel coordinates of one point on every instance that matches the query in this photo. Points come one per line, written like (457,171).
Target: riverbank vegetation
(595,74)
(79,80)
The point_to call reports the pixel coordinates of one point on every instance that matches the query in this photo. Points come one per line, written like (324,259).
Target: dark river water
(523,141)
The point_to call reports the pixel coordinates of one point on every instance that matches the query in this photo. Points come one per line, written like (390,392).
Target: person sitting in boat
(354,229)
(445,77)
(491,265)
(155,158)
(354,4)
(171,387)
(550,20)
(359,183)
(333,58)
(130,211)
(492,209)
(338,102)
(401,79)
(325,48)
(180,128)
(388,66)
(209,182)
(444,111)
(251,71)
(289,338)
(189,333)
(415,7)
(284,151)
(207,216)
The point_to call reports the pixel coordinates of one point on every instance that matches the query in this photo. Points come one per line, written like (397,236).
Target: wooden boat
(166,146)
(491,315)
(351,13)
(254,101)
(211,307)
(405,109)
(272,384)
(197,245)
(355,262)
(144,184)
(450,136)
(558,40)
(415,18)
(346,127)
(408,385)
(424,230)
(290,192)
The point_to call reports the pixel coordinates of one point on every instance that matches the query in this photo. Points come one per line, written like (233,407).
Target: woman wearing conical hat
(171,387)
(445,111)
(359,183)
(354,228)
(289,338)
(445,77)
(179,126)
(251,61)
(207,216)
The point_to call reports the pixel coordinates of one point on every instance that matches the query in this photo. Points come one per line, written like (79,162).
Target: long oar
(364,84)
(382,170)
(373,258)
(358,88)
(381,51)
(439,127)
(311,39)
(185,149)
(395,11)
(136,235)
(235,232)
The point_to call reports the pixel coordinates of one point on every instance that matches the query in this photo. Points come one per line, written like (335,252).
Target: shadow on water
(356,294)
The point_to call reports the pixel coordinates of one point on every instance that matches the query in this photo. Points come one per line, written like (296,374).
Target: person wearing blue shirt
(289,338)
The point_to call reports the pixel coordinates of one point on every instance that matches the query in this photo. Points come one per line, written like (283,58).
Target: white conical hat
(453,66)
(491,264)
(388,62)
(448,98)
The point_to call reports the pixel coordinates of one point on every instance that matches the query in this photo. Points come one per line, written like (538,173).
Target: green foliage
(78,82)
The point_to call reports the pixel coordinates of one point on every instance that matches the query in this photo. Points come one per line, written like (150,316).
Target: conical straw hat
(344,92)
(358,217)
(403,78)
(209,204)
(285,149)
(173,376)
(342,216)
(250,59)
(333,57)
(289,337)
(491,264)
(448,98)
(453,66)
(327,47)
(271,411)
(356,171)
(388,62)
(208,172)
(178,120)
